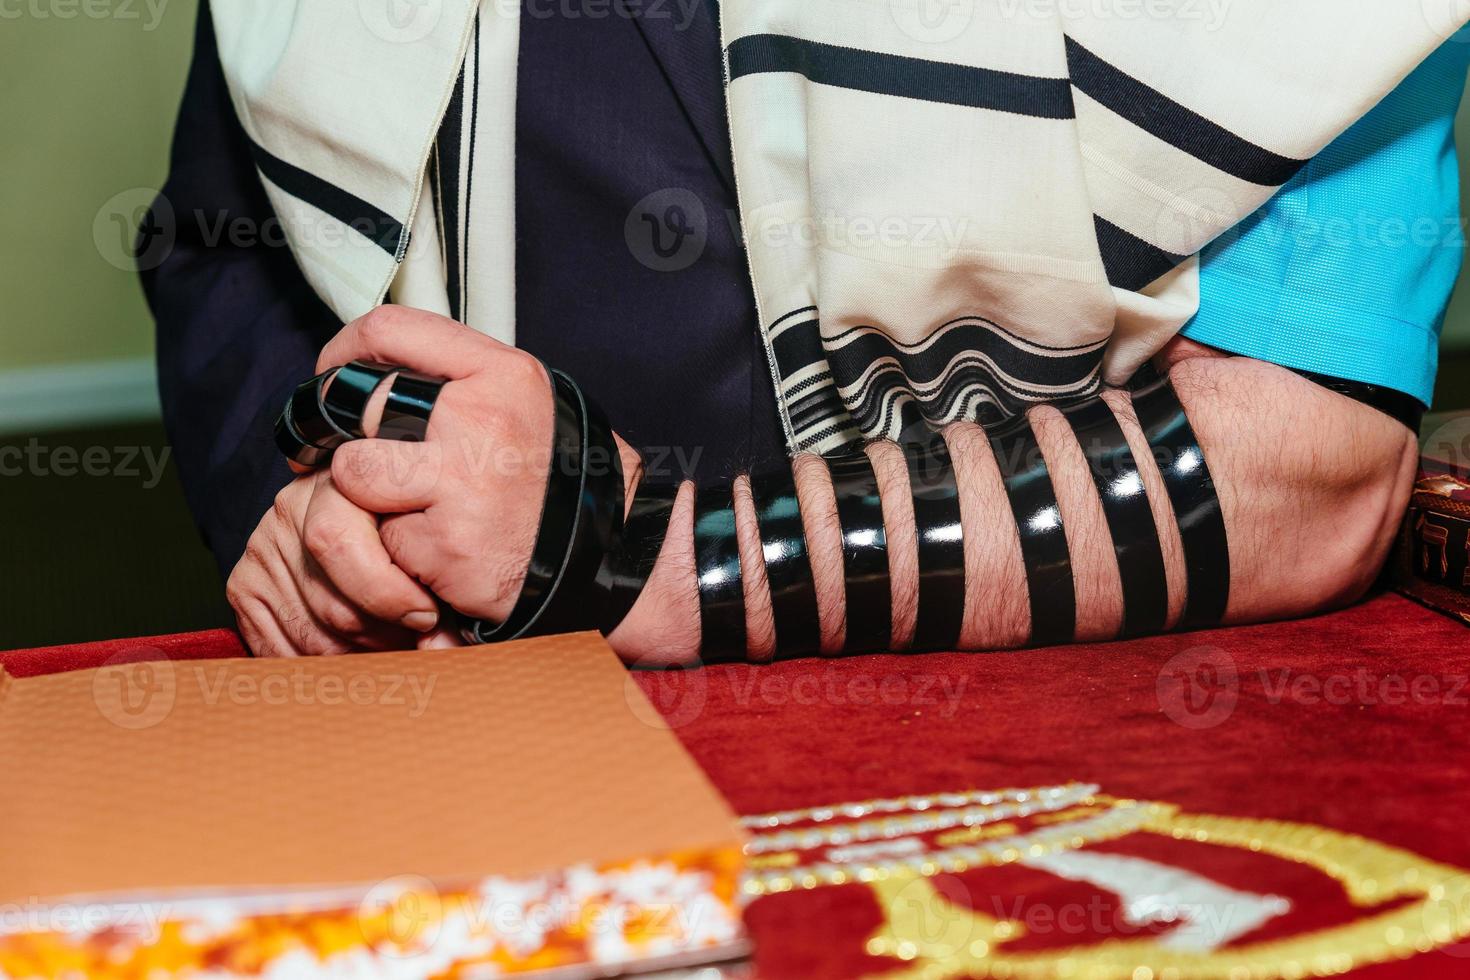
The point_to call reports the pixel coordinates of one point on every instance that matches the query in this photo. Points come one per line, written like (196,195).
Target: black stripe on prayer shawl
(1131,262)
(1181,127)
(1025,371)
(971,390)
(797,346)
(449,155)
(978,362)
(372,222)
(891,74)
(815,408)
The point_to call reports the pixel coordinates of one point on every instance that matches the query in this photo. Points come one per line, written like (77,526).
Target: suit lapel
(684,37)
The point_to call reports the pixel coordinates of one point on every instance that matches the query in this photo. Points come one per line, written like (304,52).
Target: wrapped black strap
(1050,590)
(1130,520)
(599,527)
(864,554)
(1196,506)
(717,564)
(625,569)
(410,403)
(304,432)
(941,542)
(351,389)
(1404,409)
(788,564)
(559,512)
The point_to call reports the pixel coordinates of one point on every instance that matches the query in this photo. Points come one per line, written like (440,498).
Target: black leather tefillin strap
(788,564)
(1130,520)
(581,518)
(599,528)
(717,565)
(560,509)
(625,569)
(941,546)
(305,433)
(1407,410)
(350,391)
(1196,506)
(410,403)
(1044,552)
(864,554)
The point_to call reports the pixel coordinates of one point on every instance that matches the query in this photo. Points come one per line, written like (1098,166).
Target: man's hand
(465,504)
(315,579)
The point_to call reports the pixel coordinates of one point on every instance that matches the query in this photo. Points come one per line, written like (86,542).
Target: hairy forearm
(1310,486)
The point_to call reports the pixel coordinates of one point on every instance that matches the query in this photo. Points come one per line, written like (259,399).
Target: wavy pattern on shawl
(969,368)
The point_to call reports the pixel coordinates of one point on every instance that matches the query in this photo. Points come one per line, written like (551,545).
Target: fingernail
(420,621)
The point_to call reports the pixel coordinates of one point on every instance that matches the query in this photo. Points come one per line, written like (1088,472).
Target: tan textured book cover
(444,813)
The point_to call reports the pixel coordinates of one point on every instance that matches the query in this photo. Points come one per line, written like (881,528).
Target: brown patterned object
(264,809)
(1431,565)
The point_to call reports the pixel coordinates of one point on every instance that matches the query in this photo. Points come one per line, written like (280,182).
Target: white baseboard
(59,396)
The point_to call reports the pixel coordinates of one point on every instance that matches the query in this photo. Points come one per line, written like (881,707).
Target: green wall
(88,92)
(1457,321)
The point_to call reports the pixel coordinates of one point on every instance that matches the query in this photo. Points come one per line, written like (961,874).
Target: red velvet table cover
(1291,799)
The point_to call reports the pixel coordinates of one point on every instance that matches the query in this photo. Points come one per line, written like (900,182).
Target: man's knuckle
(283,508)
(323,538)
(386,600)
(377,324)
(523,370)
(340,619)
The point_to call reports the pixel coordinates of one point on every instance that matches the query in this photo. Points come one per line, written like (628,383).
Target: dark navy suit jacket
(622,161)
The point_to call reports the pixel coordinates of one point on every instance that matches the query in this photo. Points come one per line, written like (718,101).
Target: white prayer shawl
(951,208)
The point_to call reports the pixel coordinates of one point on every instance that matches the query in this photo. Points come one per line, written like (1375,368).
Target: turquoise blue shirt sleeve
(1348,269)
